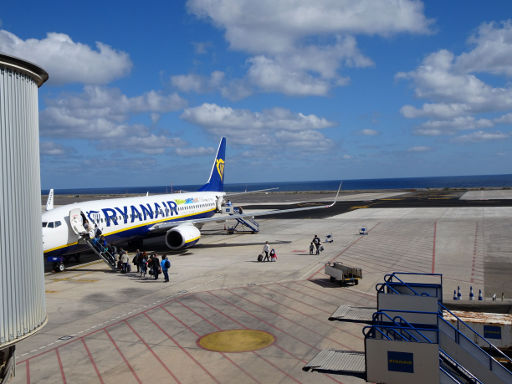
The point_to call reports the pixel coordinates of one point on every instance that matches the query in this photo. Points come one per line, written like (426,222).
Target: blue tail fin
(216,181)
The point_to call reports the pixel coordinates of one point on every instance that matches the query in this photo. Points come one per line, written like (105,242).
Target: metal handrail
(449,375)
(491,358)
(376,314)
(456,363)
(396,327)
(490,345)
(388,277)
(372,328)
(404,321)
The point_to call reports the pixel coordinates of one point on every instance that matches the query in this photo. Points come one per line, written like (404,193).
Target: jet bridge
(409,340)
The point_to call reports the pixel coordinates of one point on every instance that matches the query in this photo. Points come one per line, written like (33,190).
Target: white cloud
(299,46)
(457,96)
(275,128)
(272,76)
(347,157)
(198,83)
(275,26)
(436,110)
(67,61)
(369,132)
(102,115)
(481,136)
(419,148)
(50,148)
(492,52)
(199,151)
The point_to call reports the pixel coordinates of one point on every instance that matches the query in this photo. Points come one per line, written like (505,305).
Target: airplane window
(57,224)
(50,225)
(44,224)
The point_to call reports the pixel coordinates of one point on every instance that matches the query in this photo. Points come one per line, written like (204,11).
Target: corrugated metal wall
(22,294)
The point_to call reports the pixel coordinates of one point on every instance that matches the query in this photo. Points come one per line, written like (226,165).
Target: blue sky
(140,93)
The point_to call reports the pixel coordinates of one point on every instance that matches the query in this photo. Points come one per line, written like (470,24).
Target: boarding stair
(410,320)
(462,360)
(101,251)
(248,222)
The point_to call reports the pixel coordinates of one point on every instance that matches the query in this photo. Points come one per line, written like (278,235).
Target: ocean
(480,181)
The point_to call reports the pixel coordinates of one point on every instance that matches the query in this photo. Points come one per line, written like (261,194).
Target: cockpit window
(58,224)
(45,224)
(50,225)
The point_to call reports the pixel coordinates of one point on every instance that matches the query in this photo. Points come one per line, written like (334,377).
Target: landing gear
(58,263)
(59,267)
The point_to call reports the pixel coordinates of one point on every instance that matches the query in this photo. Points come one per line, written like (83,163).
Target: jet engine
(182,236)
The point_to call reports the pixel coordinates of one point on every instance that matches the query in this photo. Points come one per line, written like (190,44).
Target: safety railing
(443,356)
(459,322)
(406,326)
(103,252)
(392,281)
(466,344)
(446,377)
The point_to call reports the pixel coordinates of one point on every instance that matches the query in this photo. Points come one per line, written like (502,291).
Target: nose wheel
(58,267)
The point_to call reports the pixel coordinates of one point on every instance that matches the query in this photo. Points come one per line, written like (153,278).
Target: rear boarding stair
(413,337)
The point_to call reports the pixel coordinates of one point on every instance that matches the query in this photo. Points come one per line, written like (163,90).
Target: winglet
(49,202)
(337,194)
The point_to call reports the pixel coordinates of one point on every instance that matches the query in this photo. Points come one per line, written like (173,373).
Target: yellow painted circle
(236,340)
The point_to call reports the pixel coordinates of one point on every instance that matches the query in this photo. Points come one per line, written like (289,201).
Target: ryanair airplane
(179,216)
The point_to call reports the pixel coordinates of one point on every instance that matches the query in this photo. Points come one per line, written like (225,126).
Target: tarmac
(110,327)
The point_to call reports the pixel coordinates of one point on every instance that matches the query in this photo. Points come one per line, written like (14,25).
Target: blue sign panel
(492,332)
(400,362)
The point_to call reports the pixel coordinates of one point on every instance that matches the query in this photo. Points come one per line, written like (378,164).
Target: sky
(140,93)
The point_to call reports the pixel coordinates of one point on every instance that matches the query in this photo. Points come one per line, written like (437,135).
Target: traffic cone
(458,293)
(471,293)
(480,297)
(454,294)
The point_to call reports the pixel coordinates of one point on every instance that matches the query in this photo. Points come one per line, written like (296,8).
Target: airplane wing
(162,226)
(246,192)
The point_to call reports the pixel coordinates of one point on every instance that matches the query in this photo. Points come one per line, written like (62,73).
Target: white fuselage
(124,218)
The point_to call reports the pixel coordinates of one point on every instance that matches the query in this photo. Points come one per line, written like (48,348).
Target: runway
(105,327)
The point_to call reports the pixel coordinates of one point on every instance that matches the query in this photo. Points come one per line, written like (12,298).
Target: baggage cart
(343,273)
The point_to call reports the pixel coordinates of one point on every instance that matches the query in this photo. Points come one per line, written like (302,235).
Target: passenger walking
(165,264)
(124,261)
(317,242)
(143,265)
(266,250)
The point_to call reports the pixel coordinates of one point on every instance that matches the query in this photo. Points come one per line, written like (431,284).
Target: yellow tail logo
(220,167)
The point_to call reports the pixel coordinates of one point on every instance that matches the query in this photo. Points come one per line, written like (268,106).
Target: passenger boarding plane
(178,215)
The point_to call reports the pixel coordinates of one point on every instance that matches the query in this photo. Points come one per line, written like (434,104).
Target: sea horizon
(476,181)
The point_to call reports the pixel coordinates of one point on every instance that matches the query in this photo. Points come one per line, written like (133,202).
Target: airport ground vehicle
(343,273)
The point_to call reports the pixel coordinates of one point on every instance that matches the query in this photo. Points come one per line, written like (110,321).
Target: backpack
(167,264)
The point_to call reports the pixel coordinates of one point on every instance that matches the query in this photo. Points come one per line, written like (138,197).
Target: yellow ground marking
(391,199)
(439,198)
(50,291)
(359,206)
(236,340)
